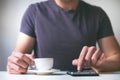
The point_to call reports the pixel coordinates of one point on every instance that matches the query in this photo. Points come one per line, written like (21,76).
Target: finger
(31,56)
(11,71)
(32,65)
(18,61)
(89,55)
(23,57)
(82,58)
(96,56)
(16,68)
(102,56)
(75,62)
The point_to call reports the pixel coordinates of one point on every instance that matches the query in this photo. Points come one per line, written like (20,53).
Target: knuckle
(18,68)
(81,56)
(79,61)
(21,56)
(92,48)
(25,66)
(87,59)
(17,60)
(93,58)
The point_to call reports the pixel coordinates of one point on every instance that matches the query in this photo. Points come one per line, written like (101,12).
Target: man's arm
(21,58)
(111,50)
(24,43)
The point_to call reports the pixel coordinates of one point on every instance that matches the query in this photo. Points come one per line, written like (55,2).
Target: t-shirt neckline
(57,8)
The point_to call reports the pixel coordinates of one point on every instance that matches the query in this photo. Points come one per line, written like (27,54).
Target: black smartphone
(84,72)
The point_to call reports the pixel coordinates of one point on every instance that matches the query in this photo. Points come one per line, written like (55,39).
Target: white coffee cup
(43,63)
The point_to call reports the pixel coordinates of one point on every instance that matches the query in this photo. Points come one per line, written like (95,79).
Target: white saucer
(43,72)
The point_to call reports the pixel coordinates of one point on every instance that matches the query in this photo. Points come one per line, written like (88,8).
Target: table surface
(59,76)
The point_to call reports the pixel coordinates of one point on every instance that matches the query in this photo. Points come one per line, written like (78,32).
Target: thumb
(31,56)
(75,62)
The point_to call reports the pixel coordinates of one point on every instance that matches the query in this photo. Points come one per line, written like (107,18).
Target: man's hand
(19,62)
(89,56)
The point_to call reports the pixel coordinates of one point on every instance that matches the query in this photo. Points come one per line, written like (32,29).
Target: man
(66,30)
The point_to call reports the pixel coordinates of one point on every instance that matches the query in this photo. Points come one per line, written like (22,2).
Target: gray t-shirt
(61,34)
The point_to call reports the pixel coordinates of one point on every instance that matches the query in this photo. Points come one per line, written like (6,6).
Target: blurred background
(11,12)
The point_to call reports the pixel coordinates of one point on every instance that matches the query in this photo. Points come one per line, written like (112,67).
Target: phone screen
(84,72)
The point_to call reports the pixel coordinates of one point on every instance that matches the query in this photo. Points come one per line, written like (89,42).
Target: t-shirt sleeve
(28,21)
(105,27)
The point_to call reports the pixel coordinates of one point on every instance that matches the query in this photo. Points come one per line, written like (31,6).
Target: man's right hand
(18,63)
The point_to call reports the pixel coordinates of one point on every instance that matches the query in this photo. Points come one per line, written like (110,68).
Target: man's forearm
(109,64)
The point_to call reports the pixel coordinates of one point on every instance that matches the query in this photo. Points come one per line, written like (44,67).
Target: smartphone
(85,72)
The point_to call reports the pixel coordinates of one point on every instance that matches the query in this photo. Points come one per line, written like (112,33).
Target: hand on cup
(18,63)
